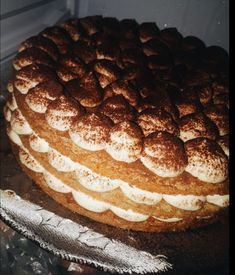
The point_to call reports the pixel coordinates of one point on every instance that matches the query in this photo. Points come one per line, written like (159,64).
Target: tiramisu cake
(123,122)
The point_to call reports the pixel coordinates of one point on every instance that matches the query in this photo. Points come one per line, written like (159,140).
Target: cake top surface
(133,90)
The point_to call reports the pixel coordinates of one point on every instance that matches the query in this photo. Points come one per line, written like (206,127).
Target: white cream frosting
(186,135)
(173,219)
(11,103)
(87,145)
(206,172)
(60,162)
(7,113)
(90,131)
(204,217)
(10,86)
(61,123)
(157,158)
(220,200)
(79,140)
(124,142)
(29,161)
(161,171)
(14,137)
(56,184)
(63,112)
(38,106)
(93,181)
(140,196)
(18,64)
(38,144)
(186,202)
(89,203)
(60,113)
(19,123)
(204,163)
(129,214)
(23,85)
(122,148)
(120,154)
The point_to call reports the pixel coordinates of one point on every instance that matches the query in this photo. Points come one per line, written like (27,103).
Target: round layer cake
(123,122)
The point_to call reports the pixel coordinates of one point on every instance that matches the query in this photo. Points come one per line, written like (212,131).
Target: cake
(123,123)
